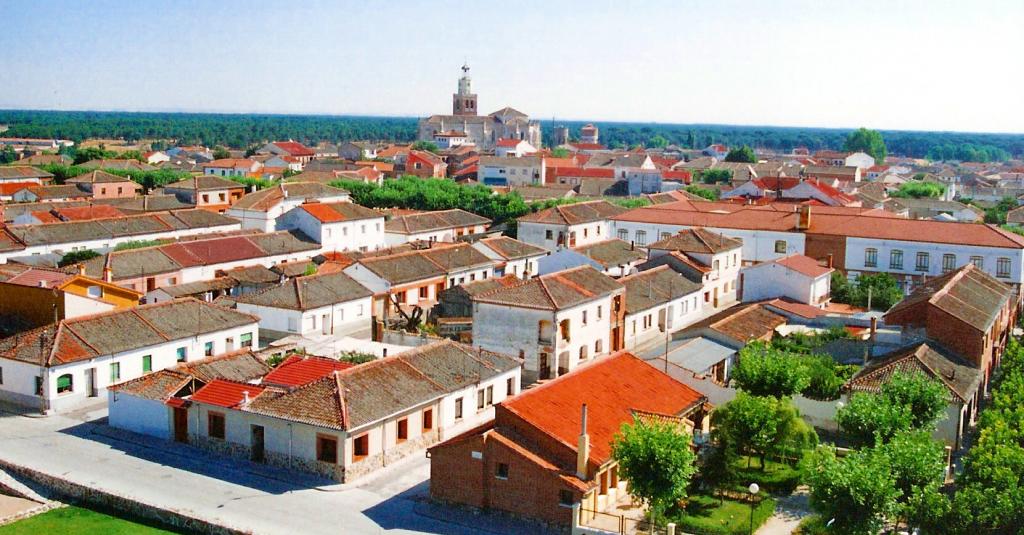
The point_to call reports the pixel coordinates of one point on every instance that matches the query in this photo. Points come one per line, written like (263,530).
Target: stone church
(467,127)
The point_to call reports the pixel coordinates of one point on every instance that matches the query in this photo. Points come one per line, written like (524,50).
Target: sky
(928,65)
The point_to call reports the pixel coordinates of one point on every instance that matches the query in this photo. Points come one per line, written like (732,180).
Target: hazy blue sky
(889,64)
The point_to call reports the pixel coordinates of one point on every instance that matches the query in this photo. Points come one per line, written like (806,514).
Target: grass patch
(709,515)
(78,521)
(811,525)
(776,477)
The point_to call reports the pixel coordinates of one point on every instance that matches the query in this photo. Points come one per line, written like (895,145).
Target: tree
(925,397)
(559,152)
(221,153)
(868,141)
(742,154)
(857,493)
(655,457)
(917,463)
(765,371)
(715,176)
(86,154)
(658,141)
(823,381)
(918,190)
(880,289)
(761,425)
(8,155)
(75,257)
(710,194)
(428,146)
(870,419)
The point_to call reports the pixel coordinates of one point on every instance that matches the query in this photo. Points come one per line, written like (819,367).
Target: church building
(484,131)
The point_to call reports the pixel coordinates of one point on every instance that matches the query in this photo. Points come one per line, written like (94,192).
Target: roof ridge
(342,404)
(63,325)
(151,326)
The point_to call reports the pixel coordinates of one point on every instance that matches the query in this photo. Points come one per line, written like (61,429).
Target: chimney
(81,269)
(245,397)
(830,265)
(583,447)
(108,274)
(803,221)
(42,284)
(874,328)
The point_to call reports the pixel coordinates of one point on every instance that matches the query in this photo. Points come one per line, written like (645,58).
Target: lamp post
(754,489)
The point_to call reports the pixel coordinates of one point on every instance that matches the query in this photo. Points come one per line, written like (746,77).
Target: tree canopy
(919,190)
(762,425)
(867,141)
(880,289)
(742,154)
(763,370)
(655,457)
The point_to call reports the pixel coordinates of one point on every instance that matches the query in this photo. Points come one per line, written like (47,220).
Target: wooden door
(180,424)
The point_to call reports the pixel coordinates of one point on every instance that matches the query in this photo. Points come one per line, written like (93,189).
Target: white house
(329,304)
(439,226)
(337,226)
(513,256)
(501,171)
(260,210)
(450,139)
(568,225)
(339,421)
(232,167)
(721,255)
(797,277)
(554,322)
(659,301)
(60,367)
(513,148)
(859,159)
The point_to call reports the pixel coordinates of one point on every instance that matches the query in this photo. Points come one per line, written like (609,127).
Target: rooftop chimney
(803,221)
(830,260)
(81,269)
(874,328)
(245,397)
(42,284)
(583,447)
(108,274)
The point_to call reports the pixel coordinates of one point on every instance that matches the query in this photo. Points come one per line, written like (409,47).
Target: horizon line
(542,121)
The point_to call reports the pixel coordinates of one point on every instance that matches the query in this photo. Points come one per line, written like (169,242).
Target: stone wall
(389,456)
(122,504)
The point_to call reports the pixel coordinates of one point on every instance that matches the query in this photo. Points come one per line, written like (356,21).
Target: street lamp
(754,489)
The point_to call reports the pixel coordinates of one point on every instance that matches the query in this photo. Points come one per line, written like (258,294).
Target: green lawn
(707,514)
(78,521)
(776,477)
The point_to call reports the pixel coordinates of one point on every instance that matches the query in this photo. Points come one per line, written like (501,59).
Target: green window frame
(147,363)
(246,339)
(182,354)
(208,349)
(64,383)
(115,372)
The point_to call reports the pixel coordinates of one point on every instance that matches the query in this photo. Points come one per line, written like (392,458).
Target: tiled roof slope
(575,214)
(554,291)
(99,229)
(613,388)
(960,378)
(511,248)
(117,331)
(697,240)
(307,293)
(431,221)
(655,287)
(611,253)
(967,293)
(263,200)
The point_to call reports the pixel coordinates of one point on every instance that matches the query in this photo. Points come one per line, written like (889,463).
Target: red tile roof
(82,213)
(509,143)
(584,172)
(205,252)
(10,188)
(294,148)
(804,264)
(613,388)
(35,276)
(587,146)
(298,370)
(919,230)
(224,393)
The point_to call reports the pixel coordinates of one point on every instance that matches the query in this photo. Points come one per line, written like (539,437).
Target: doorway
(180,424)
(325,322)
(90,382)
(258,454)
(545,366)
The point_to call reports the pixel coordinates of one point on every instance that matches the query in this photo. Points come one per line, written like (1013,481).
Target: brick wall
(819,246)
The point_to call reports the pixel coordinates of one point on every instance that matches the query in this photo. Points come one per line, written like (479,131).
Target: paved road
(230,492)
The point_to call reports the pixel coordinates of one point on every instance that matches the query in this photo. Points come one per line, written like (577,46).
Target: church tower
(464,101)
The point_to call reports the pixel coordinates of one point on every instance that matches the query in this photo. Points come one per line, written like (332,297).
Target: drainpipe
(289,445)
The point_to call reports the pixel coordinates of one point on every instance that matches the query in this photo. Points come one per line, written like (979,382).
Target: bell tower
(464,101)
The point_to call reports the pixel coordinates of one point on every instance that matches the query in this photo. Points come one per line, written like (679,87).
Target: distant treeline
(247,130)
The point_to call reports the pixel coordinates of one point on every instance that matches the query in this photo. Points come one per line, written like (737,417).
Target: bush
(75,257)
(777,477)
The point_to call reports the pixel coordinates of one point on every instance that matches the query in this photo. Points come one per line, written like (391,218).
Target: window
(1003,267)
(598,311)
(360,447)
(501,472)
(479,400)
(584,232)
(584,317)
(215,425)
(549,235)
(64,383)
(780,246)
(715,265)
(208,349)
(293,324)
(896,259)
(1,376)
(665,235)
(641,237)
(510,386)
(229,343)
(870,257)
(428,419)
(423,292)
(566,498)
(115,372)
(948,262)
(403,430)
(39,385)
(598,346)
(623,234)
(147,363)
(490,395)
(327,449)
(978,261)
(458,409)
(246,340)
(922,261)
(95,292)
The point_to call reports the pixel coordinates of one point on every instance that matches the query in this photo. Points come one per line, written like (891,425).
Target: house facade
(331,304)
(570,225)
(798,278)
(437,226)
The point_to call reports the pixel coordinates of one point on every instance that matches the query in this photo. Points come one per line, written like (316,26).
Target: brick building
(549,448)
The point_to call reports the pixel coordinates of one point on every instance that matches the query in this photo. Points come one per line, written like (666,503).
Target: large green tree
(868,141)
(856,493)
(742,154)
(761,425)
(870,419)
(926,398)
(763,370)
(655,457)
